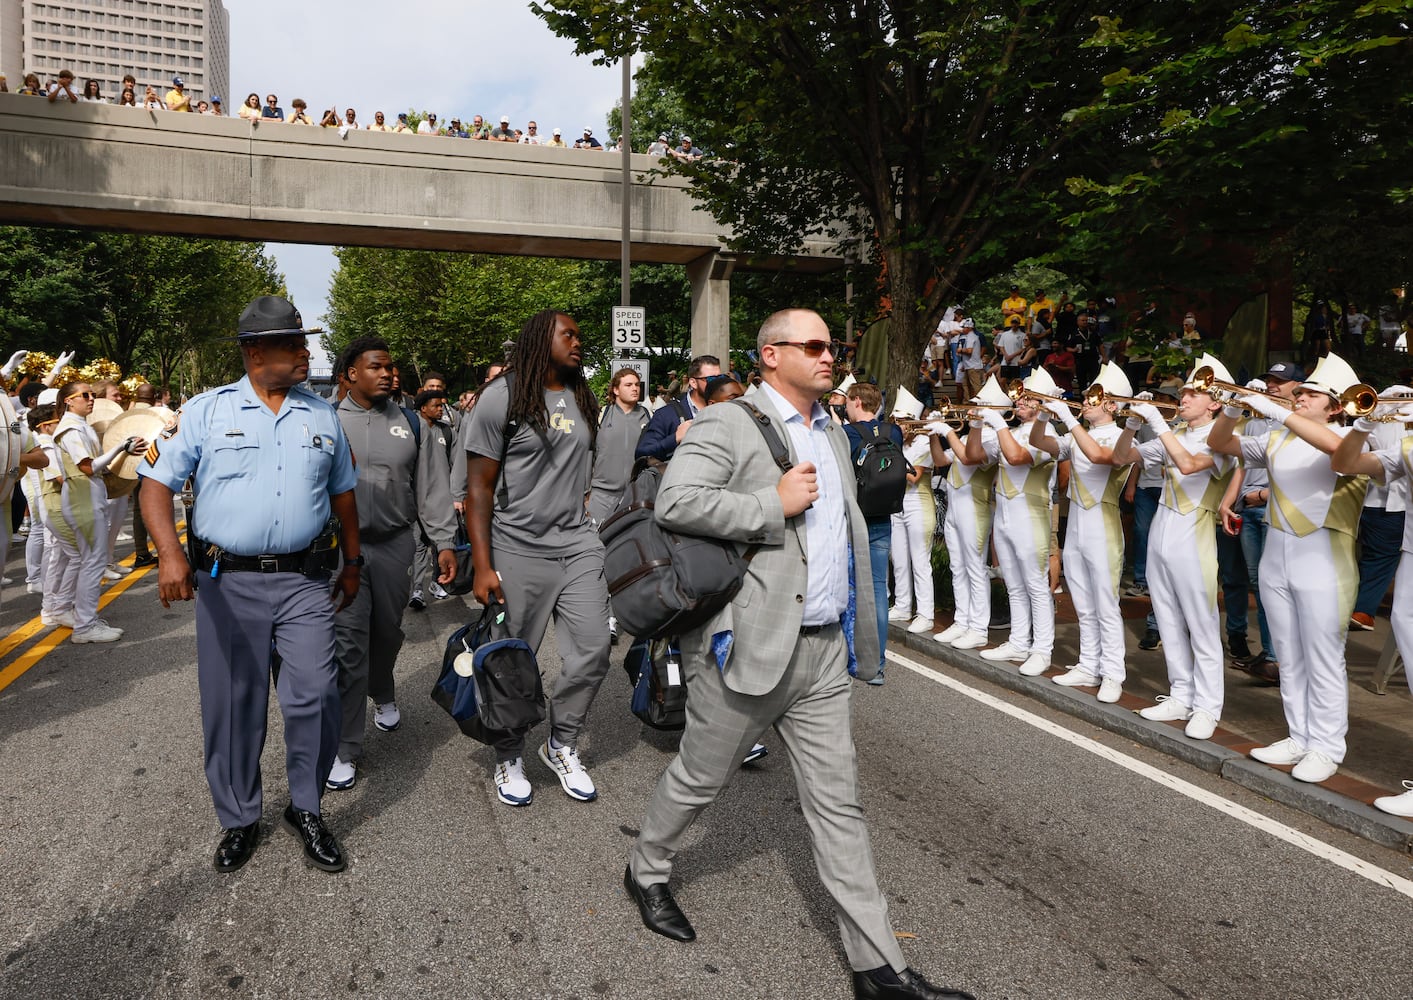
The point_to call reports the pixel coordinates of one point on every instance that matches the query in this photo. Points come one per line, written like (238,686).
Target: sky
(487,57)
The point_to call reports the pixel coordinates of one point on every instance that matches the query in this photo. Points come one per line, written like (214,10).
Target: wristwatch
(357,560)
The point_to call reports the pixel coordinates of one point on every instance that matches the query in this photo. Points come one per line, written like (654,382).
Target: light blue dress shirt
(826,522)
(262,480)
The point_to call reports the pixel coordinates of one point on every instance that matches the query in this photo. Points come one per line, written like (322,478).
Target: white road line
(1249,816)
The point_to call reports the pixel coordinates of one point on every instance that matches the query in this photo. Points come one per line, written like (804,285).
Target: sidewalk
(1380,741)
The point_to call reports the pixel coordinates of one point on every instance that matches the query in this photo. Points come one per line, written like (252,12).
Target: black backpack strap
(778,451)
(414,422)
(683,409)
(507,432)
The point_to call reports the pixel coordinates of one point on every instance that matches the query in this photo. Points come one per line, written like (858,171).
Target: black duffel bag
(489,686)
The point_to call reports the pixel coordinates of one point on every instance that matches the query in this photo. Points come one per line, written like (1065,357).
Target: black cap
(1286,372)
(269,316)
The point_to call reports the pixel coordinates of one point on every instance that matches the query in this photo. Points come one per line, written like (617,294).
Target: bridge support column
(710,275)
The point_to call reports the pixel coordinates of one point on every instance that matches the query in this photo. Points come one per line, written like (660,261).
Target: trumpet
(1096,395)
(1362,400)
(911,426)
(1205,380)
(1019,392)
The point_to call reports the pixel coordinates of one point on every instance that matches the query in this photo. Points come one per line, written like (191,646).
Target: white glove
(15,361)
(976,423)
(993,420)
(1366,426)
(938,427)
(136,445)
(102,462)
(59,363)
(1134,423)
(1266,406)
(1153,416)
(1257,385)
(1062,413)
(1144,395)
(1235,412)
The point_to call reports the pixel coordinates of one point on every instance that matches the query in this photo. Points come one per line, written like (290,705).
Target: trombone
(913,426)
(1096,395)
(1362,400)
(1205,380)
(1019,392)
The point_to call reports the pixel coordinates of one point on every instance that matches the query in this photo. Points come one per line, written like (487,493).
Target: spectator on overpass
(150,100)
(128,98)
(92,93)
(556,140)
(250,110)
(300,115)
(428,125)
(587,141)
(402,125)
(63,88)
(532,135)
(217,109)
(503,133)
(687,153)
(330,119)
(659,147)
(177,98)
(479,129)
(272,110)
(379,124)
(31,87)
(350,118)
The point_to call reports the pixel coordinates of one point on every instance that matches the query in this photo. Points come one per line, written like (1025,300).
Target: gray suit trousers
(811,714)
(238,617)
(368,635)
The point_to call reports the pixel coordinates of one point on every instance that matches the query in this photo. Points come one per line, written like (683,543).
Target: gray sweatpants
(238,617)
(368,635)
(573,589)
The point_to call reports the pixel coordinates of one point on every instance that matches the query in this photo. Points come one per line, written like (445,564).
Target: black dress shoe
(236,847)
(658,909)
(320,846)
(909,986)
(145,559)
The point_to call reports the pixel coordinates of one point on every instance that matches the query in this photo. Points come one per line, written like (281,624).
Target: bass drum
(147,423)
(11,444)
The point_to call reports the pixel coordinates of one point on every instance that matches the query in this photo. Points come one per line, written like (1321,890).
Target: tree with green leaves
(963,137)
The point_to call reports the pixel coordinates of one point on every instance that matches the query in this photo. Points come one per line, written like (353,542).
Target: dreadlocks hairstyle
(356,348)
(530,361)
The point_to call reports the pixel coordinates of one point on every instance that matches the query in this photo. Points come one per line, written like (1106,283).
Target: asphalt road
(1016,864)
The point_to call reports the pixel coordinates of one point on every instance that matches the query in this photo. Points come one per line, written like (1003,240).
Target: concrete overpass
(125,169)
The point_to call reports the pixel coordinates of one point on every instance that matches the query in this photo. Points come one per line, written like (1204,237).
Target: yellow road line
(14,671)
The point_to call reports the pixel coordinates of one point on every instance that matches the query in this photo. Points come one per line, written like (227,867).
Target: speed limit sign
(629,328)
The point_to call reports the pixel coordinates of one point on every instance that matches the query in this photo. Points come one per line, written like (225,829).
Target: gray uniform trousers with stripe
(239,616)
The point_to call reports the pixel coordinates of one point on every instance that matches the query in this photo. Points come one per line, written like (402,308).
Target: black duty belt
(817,629)
(293,562)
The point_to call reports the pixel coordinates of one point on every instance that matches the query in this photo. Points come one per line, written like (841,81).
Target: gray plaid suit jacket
(721,484)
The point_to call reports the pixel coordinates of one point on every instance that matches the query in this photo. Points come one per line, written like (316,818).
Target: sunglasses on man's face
(84,395)
(812,348)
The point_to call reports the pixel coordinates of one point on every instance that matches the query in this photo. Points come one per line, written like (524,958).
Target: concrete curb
(1351,815)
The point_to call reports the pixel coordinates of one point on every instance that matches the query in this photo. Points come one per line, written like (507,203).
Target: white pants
(1308,586)
(1093,560)
(117,514)
(1022,539)
(74,575)
(966,539)
(1401,615)
(1182,580)
(911,551)
(34,552)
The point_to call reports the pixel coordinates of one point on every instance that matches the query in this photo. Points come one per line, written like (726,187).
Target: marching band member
(1093,554)
(971,473)
(1184,589)
(1387,466)
(1309,572)
(913,528)
(1026,475)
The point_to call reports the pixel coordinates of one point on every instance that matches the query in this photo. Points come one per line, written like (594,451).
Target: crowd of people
(64,88)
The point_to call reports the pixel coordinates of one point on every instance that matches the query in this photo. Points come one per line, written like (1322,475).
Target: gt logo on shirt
(398,431)
(561,423)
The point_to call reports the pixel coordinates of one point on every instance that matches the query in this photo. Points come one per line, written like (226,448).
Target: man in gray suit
(781,652)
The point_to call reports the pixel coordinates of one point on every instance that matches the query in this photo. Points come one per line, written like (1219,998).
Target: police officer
(402,489)
(269,462)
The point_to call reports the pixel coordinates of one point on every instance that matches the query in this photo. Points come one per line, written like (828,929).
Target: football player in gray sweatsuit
(399,487)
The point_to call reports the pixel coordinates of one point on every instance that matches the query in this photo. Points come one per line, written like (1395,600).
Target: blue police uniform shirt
(263,480)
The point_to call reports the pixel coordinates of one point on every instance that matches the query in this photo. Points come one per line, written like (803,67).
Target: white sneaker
(1035,664)
(110,574)
(920,625)
(755,753)
(120,569)
(1314,767)
(99,631)
(970,640)
(950,632)
(1077,677)
(386,716)
(512,787)
(1201,726)
(1397,805)
(123,536)
(1110,690)
(1286,751)
(1166,710)
(437,590)
(564,762)
(897,614)
(1005,651)
(34,588)
(64,619)
(341,775)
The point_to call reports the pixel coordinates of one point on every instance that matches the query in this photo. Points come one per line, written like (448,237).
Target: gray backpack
(664,583)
